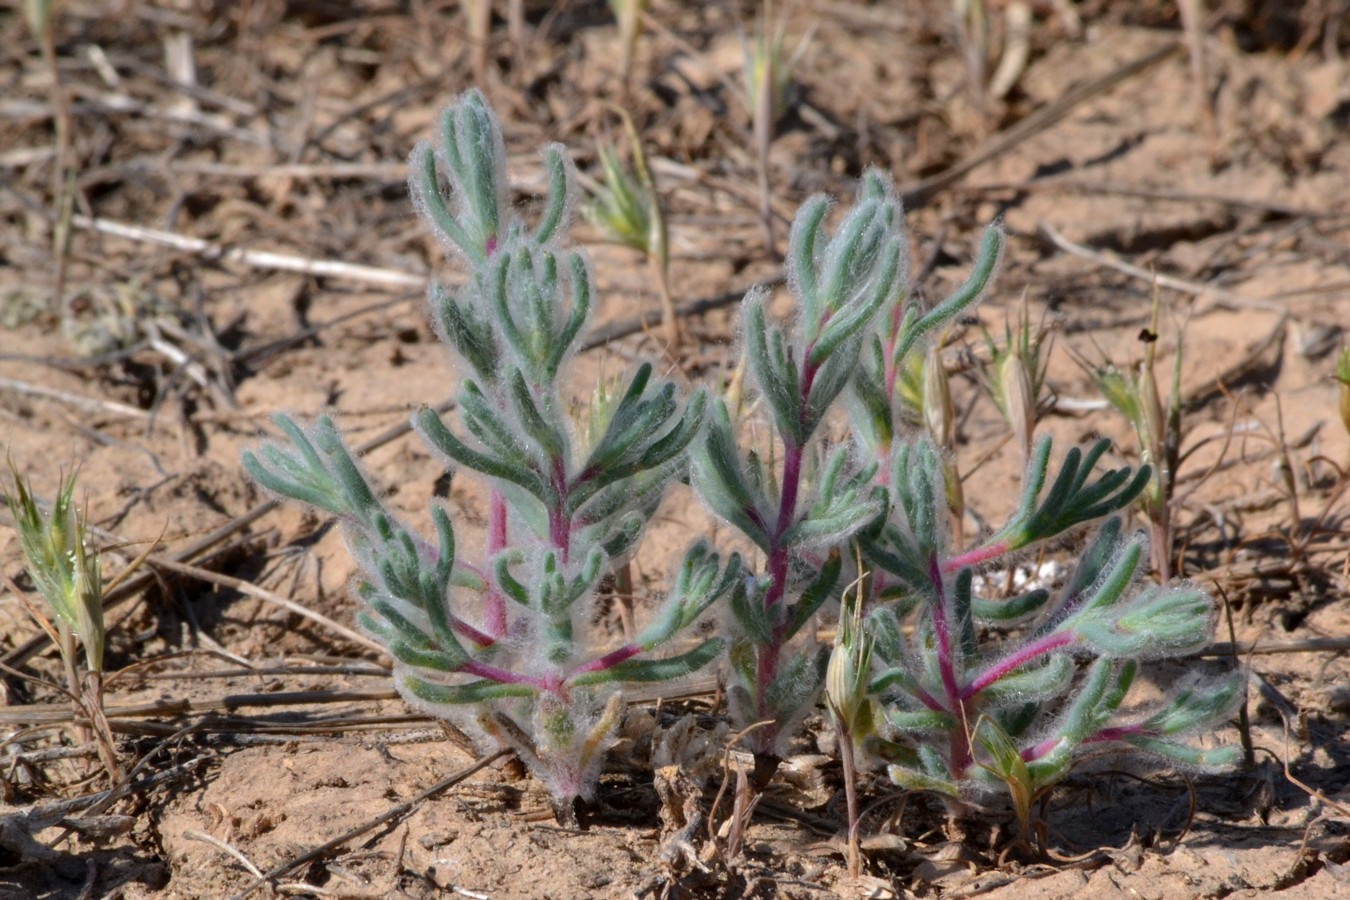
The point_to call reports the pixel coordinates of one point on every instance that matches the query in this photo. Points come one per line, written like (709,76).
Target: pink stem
(929,700)
(1114,733)
(960,745)
(1016,661)
(559,526)
(464,629)
(1036,751)
(470,567)
(975,556)
(608,661)
(493,602)
(766,664)
(942,630)
(502,676)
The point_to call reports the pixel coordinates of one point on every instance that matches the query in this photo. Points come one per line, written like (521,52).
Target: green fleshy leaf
(799,680)
(1198,704)
(554,217)
(431,427)
(922,720)
(699,583)
(774,371)
(666,669)
(749,613)
(461,326)
(1214,759)
(802,254)
(1036,683)
(471,692)
(433,660)
(582,290)
(986,263)
(815,595)
(721,479)
(852,320)
(1013,609)
(424,185)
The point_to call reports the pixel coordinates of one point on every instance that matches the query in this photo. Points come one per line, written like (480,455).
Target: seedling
(627,210)
(967,716)
(40,16)
(768,66)
(66,572)
(939,419)
(852,707)
(922,398)
(998,35)
(853,323)
(478,28)
(767,71)
(620,206)
(498,645)
(1157,428)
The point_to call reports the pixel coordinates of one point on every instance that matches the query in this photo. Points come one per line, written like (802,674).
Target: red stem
(975,556)
(766,664)
(494,604)
(502,676)
(559,526)
(1016,661)
(960,743)
(464,629)
(608,661)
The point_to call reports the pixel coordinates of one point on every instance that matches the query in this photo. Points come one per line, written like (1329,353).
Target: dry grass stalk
(478,29)
(40,15)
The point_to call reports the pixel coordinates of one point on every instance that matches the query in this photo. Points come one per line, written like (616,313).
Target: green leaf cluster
(800,500)
(500,644)
(983,692)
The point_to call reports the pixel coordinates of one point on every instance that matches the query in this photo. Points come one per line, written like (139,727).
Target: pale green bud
(1019,401)
(847,677)
(939,414)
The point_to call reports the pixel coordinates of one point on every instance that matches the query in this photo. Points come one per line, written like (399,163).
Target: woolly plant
(977,691)
(499,644)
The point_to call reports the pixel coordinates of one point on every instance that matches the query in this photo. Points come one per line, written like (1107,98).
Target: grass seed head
(58,559)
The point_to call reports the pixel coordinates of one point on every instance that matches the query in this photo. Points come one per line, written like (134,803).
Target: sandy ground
(270,128)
